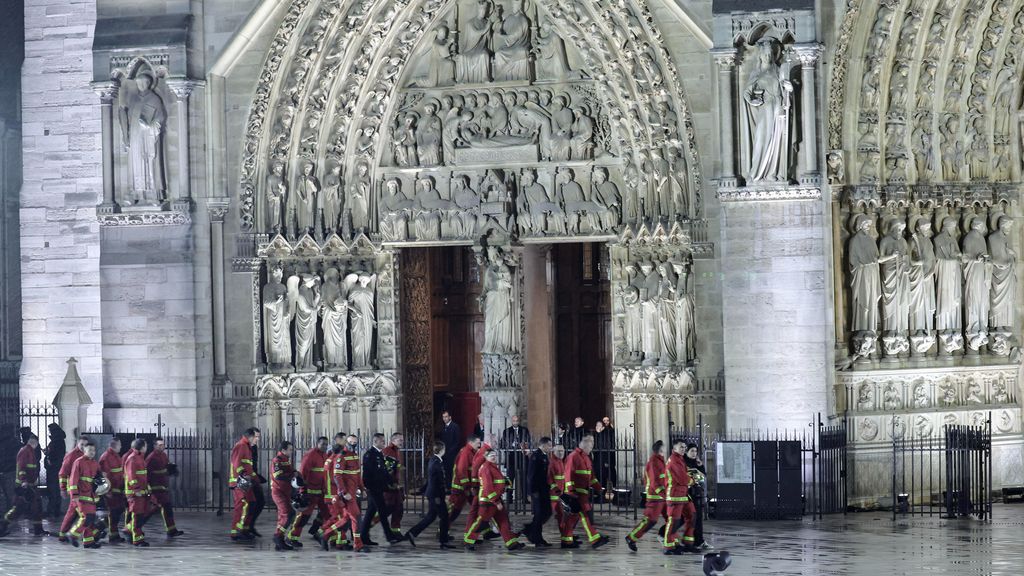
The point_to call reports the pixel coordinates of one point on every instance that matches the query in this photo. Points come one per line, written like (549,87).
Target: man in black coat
(540,493)
(515,441)
(452,437)
(376,479)
(435,491)
(576,434)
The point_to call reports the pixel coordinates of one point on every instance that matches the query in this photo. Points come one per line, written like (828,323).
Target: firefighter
(394,496)
(479,457)
(241,482)
(112,466)
(136,489)
(158,466)
(576,492)
(282,472)
(85,472)
(492,490)
(654,494)
(63,475)
(462,478)
(26,501)
(311,470)
(345,482)
(680,509)
(556,478)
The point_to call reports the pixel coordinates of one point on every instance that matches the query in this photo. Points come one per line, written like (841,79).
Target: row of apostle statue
(659,311)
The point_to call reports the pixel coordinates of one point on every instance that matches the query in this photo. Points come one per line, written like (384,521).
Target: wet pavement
(863,543)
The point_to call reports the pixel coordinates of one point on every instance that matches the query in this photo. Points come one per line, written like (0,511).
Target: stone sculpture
(334,321)
(361,303)
(277,195)
(331,200)
(304,292)
(511,41)
(473,63)
(893,271)
(500,305)
(277,318)
(306,192)
(143,118)
(976,285)
(948,291)
(766,97)
(865,284)
(1004,276)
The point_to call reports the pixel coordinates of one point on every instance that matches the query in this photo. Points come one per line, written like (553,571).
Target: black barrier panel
(790,473)
(766,480)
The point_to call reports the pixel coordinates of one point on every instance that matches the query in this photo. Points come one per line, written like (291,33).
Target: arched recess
(339,74)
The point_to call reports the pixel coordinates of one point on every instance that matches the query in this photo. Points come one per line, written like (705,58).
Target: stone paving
(864,543)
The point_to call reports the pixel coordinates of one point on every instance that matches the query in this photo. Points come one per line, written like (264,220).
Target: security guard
(579,482)
(654,494)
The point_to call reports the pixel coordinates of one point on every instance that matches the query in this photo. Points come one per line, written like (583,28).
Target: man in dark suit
(515,442)
(478,428)
(452,437)
(540,493)
(576,434)
(435,490)
(376,479)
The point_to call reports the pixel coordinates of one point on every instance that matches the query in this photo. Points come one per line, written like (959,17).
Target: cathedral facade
(350,214)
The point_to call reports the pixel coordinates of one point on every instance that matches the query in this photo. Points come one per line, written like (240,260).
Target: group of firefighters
(330,480)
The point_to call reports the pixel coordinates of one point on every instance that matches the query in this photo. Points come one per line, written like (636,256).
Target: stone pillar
(218,208)
(808,56)
(72,402)
(503,393)
(540,338)
(726,59)
(107,91)
(182,89)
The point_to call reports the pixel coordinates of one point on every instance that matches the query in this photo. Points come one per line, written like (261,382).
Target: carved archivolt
(340,77)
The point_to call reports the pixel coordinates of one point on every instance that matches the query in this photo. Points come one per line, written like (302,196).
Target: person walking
(539,487)
(434,492)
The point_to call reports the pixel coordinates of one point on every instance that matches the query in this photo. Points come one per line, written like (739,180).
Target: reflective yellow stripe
(314,491)
(678,499)
(117,469)
(318,469)
(245,461)
(31,466)
(141,472)
(559,476)
(86,478)
(500,481)
(587,472)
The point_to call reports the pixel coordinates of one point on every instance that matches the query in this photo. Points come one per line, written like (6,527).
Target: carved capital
(807,54)
(107,91)
(218,209)
(725,57)
(182,87)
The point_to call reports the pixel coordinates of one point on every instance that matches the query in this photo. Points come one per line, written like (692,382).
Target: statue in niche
(405,142)
(865,399)
(464,221)
(473,64)
(920,396)
(630,294)
(561,130)
(361,302)
(551,61)
(676,179)
(306,192)
(948,291)
(952,148)
(926,85)
(607,197)
(277,195)
(921,145)
(574,203)
(428,209)
(511,41)
(395,208)
(836,168)
(537,212)
(582,140)
(898,428)
(334,321)
(500,303)
(686,319)
(359,197)
(441,71)
(869,88)
(865,283)
(893,270)
(1007,88)
(767,102)
(331,201)
(667,314)
(277,319)
(304,293)
(650,286)
(428,137)
(891,397)
(921,278)
(143,117)
(1004,276)
(976,284)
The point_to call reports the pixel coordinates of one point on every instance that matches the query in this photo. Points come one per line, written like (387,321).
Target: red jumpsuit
(281,474)
(63,475)
(27,501)
(395,499)
(157,463)
(136,489)
(311,469)
(556,477)
(241,467)
(462,482)
(84,472)
(579,480)
(346,480)
(492,488)
(474,481)
(112,466)
(654,492)
(679,506)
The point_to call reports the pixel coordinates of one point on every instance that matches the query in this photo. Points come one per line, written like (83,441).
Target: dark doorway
(582,332)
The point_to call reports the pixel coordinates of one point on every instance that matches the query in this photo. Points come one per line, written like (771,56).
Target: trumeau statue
(143,118)
(976,285)
(865,284)
(500,300)
(361,303)
(277,340)
(334,317)
(304,292)
(1004,276)
(766,95)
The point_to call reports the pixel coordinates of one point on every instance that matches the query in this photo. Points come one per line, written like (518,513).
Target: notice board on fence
(734,468)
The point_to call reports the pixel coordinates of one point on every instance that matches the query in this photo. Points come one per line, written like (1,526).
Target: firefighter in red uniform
(680,509)
(311,470)
(395,497)
(281,475)
(241,481)
(26,501)
(346,482)
(136,489)
(654,494)
(112,466)
(492,491)
(63,475)
(556,478)
(158,466)
(474,481)
(462,478)
(82,489)
(579,482)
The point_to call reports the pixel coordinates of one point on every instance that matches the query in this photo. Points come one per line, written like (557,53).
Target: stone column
(726,59)
(182,89)
(217,209)
(503,393)
(107,91)
(540,337)
(808,56)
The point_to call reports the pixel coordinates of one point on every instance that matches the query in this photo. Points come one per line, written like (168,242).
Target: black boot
(280,545)
(315,526)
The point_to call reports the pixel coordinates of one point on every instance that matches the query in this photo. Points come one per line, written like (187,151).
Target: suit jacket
(453,439)
(537,472)
(513,438)
(437,479)
(478,431)
(376,476)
